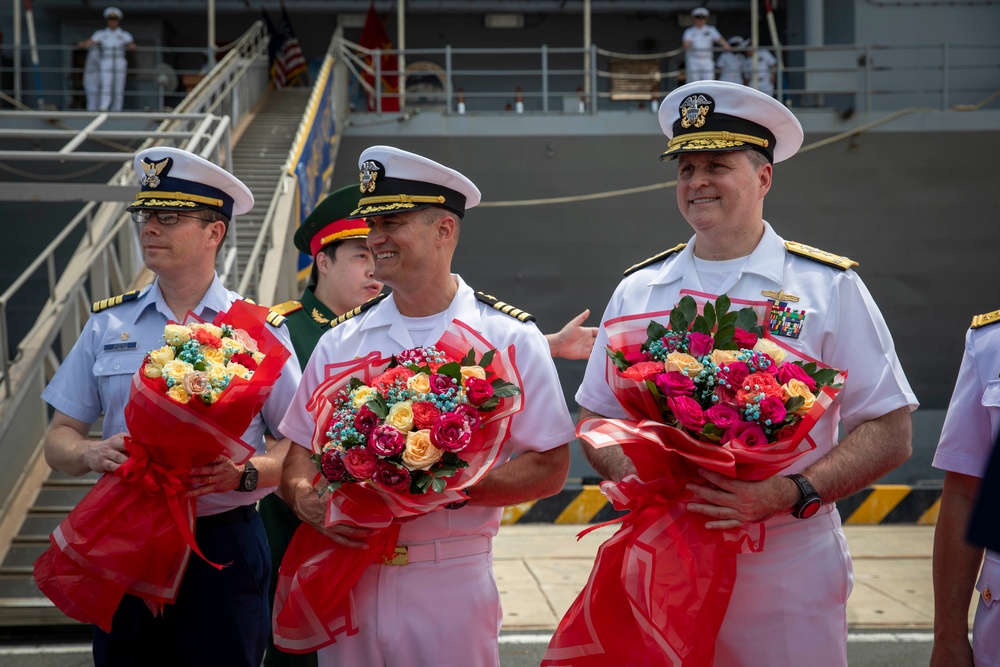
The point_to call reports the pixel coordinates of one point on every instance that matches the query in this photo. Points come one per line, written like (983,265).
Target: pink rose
(470,415)
(366,420)
(441,383)
(392,477)
(772,411)
(744,339)
(674,384)
(386,440)
(687,411)
(700,344)
(749,434)
(477,391)
(636,357)
(723,416)
(360,462)
(245,339)
(451,432)
(332,466)
(724,394)
(425,414)
(793,371)
(734,374)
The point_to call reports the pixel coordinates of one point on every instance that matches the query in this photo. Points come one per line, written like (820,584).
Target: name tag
(120,347)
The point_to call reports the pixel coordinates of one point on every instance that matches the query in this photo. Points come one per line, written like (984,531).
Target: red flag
(374,36)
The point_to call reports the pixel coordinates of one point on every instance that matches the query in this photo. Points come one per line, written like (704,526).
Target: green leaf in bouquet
(701,325)
(824,376)
(505,389)
(617,358)
(794,403)
(200,365)
(489,404)
(724,337)
(419,481)
(354,383)
(454,460)
(656,331)
(452,369)
(709,314)
(486,360)
(728,320)
(470,358)
(678,322)
(746,319)
(378,406)
(437,484)
(722,305)
(689,307)
(712,433)
(330,488)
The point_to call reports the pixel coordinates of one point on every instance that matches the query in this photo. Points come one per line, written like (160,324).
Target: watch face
(250,480)
(810,508)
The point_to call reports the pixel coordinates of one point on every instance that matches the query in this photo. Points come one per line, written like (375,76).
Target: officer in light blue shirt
(219,617)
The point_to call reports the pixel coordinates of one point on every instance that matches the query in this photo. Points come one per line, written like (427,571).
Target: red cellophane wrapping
(660,586)
(313,604)
(133,532)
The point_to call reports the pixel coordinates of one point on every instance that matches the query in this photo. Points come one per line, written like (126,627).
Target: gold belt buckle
(400,556)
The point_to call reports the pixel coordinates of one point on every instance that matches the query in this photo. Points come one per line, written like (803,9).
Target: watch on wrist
(810,501)
(248,480)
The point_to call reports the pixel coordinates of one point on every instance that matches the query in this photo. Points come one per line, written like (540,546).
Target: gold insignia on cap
(152,171)
(984,319)
(780,295)
(694,110)
(369,173)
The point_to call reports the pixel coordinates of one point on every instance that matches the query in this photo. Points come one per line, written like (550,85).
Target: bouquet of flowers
(710,390)
(189,403)
(394,438)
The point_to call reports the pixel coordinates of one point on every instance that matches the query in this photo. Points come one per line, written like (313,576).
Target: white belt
(440,550)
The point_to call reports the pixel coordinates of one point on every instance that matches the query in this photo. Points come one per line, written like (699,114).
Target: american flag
(287,61)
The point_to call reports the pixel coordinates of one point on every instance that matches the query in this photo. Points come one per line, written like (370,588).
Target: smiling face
(347,280)
(408,247)
(721,195)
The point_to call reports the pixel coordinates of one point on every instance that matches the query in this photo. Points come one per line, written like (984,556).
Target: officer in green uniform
(342,278)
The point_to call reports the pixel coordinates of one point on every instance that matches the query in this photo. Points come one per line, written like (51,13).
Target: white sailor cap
(394,180)
(699,12)
(176,180)
(113,12)
(736,42)
(724,116)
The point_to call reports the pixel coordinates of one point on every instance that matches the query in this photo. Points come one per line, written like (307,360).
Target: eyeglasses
(167,218)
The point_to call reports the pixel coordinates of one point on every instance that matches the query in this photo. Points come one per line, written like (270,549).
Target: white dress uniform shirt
(113,66)
(392,602)
(970,430)
(96,376)
(765,68)
(698,58)
(790,600)
(731,66)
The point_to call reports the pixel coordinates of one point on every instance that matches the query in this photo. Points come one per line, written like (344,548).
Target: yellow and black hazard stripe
(879,504)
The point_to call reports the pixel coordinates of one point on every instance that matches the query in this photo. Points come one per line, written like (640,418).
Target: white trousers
(789,605)
(426,614)
(699,68)
(113,83)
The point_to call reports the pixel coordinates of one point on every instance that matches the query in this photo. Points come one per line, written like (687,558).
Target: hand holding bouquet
(394,439)
(190,402)
(708,391)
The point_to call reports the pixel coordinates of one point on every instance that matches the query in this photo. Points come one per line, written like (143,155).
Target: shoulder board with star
(654,259)
(367,305)
(821,256)
(286,307)
(985,319)
(504,308)
(104,304)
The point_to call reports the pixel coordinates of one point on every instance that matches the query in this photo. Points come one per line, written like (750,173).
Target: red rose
(734,374)
(637,358)
(451,432)
(424,414)
(204,337)
(674,384)
(389,378)
(724,416)
(244,359)
(687,411)
(749,434)
(744,339)
(366,420)
(442,383)
(477,391)
(332,466)
(386,440)
(794,371)
(643,370)
(772,411)
(360,462)
(470,414)
(392,477)
(700,344)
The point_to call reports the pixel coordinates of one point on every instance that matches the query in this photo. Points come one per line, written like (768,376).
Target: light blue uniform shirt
(96,375)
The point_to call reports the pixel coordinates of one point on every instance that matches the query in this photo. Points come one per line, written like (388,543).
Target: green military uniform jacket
(307,320)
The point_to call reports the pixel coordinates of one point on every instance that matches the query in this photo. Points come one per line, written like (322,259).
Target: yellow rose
(473,372)
(363,394)
(770,349)
(420,454)
(176,334)
(800,389)
(162,355)
(217,374)
(212,354)
(420,383)
(232,346)
(212,396)
(210,328)
(239,370)
(178,394)
(723,357)
(151,371)
(401,416)
(257,356)
(683,363)
(176,370)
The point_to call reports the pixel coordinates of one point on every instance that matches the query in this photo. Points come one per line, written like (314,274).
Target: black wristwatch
(248,480)
(810,501)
